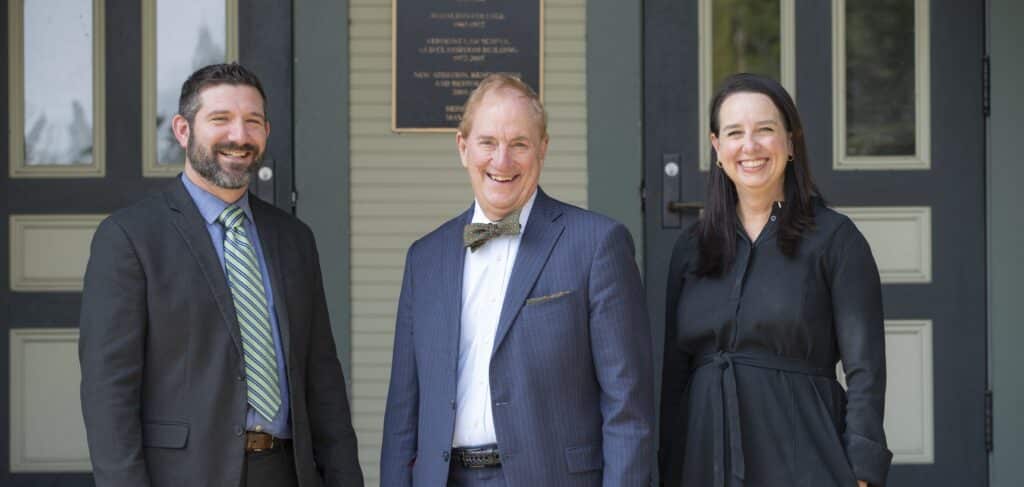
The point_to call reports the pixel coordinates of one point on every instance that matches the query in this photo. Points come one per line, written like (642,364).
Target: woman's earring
(718,162)
(790,158)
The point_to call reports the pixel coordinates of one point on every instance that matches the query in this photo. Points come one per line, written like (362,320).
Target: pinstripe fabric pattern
(246,283)
(570,374)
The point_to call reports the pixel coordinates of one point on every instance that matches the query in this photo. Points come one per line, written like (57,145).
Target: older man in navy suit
(522,347)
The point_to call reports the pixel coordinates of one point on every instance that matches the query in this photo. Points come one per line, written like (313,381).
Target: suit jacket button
(241,378)
(444,455)
(238,430)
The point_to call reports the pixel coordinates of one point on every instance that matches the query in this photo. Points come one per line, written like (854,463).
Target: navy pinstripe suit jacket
(571,377)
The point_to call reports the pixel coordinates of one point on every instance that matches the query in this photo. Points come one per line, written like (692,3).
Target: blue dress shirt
(210,207)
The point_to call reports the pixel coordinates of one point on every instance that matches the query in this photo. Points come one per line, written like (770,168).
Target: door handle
(685,206)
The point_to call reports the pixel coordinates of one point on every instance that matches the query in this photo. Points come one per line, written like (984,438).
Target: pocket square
(549,297)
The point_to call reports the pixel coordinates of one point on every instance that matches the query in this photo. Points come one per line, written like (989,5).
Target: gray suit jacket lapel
(542,231)
(270,242)
(192,227)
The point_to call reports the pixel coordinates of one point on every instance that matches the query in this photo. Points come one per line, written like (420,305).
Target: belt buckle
(273,442)
(258,434)
(479,458)
(473,463)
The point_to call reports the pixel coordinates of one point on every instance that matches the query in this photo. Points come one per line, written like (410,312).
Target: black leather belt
(485,456)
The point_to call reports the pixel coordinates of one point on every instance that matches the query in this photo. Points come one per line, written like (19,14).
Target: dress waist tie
(726,406)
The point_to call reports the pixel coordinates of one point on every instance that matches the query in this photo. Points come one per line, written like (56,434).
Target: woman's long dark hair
(717,228)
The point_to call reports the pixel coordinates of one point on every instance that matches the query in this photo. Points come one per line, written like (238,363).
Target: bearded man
(206,349)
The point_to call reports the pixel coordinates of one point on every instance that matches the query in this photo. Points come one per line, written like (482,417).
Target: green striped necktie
(246,283)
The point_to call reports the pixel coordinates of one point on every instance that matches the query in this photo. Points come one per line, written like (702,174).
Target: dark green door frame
(1005,242)
(322,151)
(615,113)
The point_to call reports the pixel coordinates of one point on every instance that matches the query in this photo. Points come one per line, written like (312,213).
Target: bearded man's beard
(206,164)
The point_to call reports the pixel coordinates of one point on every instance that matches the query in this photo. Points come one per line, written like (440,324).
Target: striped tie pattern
(246,283)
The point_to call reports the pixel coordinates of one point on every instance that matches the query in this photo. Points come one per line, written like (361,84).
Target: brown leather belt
(257,442)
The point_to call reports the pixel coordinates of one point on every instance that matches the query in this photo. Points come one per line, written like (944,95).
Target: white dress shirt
(485,277)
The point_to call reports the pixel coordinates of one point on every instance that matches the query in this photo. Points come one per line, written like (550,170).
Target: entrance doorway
(88,88)
(891,97)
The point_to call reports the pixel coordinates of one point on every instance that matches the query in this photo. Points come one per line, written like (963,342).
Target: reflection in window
(58,82)
(880,115)
(752,36)
(190,34)
(746,38)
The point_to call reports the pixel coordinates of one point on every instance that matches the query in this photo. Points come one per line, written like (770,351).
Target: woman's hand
(861,483)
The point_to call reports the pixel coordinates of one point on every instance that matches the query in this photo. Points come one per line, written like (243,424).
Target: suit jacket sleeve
(111,348)
(621,345)
(401,418)
(334,440)
(860,331)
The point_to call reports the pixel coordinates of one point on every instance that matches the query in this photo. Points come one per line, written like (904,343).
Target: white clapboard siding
(404,185)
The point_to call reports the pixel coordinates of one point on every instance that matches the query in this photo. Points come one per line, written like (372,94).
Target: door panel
(55,216)
(926,225)
(265,47)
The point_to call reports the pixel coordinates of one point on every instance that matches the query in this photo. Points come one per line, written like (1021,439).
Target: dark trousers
(271,468)
(459,476)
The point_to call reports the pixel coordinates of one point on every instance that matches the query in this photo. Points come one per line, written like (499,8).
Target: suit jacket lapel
(452,265)
(542,231)
(192,227)
(270,242)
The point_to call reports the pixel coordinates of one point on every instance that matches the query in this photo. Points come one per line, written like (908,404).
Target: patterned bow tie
(477,234)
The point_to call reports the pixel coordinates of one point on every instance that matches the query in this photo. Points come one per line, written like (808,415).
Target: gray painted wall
(322,149)
(1006,242)
(615,112)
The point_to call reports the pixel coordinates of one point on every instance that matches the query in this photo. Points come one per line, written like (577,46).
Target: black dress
(750,396)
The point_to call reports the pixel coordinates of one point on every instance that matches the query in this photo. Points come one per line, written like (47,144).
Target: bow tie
(477,234)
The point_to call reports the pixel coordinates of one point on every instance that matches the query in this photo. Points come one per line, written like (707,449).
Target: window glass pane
(880,116)
(746,38)
(58,82)
(190,35)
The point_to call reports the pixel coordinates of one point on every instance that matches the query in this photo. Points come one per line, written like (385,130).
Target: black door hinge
(988,421)
(643,197)
(986,80)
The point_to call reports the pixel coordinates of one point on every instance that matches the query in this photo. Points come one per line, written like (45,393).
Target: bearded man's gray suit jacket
(163,391)
(570,372)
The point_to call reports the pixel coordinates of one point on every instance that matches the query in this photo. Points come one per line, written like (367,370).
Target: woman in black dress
(765,294)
